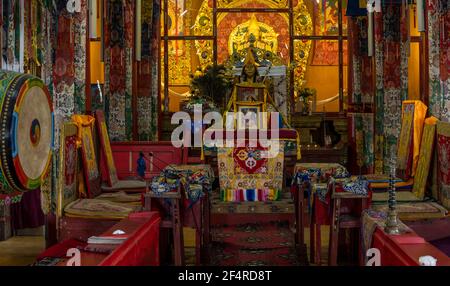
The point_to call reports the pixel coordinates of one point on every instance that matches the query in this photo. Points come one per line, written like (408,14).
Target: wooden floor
(22,250)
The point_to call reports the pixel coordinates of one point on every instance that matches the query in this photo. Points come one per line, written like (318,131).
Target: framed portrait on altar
(249,115)
(250,93)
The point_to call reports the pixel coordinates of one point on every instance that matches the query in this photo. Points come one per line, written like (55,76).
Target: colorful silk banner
(443,146)
(80,80)
(413,117)
(391,60)
(363,126)
(119,41)
(425,157)
(439,65)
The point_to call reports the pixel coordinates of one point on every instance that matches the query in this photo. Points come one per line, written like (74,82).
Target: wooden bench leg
(177,233)
(334,232)
(312,241)
(318,244)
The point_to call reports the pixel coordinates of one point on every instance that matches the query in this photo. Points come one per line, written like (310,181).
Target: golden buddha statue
(249,89)
(253,33)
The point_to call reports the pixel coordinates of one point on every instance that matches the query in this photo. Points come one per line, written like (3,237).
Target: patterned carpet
(254,244)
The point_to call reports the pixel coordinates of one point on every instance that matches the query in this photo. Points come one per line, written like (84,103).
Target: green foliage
(213,84)
(305,93)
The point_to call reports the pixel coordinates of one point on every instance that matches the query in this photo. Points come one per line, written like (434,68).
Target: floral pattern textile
(354,184)
(363,126)
(443,146)
(195,179)
(413,117)
(79,27)
(63,73)
(438,46)
(391,61)
(118,68)
(362,87)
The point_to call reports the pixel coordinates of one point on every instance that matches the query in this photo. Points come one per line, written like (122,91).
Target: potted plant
(305,96)
(210,87)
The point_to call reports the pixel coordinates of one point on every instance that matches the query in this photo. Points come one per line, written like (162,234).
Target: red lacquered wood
(141,248)
(395,254)
(82,228)
(126,155)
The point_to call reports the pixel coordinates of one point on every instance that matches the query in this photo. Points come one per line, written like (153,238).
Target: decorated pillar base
(392,223)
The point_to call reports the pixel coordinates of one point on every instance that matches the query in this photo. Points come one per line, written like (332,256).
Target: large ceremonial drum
(26,131)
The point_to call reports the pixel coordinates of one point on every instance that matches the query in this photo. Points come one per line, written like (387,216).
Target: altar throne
(253,195)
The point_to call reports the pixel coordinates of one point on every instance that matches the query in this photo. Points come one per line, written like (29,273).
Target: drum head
(33,138)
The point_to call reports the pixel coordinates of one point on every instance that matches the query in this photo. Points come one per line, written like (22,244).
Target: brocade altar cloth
(413,118)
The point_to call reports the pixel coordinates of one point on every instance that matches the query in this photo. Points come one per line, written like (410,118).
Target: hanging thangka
(439,70)
(63,71)
(79,31)
(129,44)
(362,126)
(443,148)
(379,93)
(45,51)
(144,82)
(155,41)
(362,86)
(114,69)
(11,30)
(391,57)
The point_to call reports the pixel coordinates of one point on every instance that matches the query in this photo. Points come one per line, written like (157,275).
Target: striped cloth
(249,195)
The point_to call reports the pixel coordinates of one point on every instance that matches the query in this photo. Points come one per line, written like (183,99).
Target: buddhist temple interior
(225,133)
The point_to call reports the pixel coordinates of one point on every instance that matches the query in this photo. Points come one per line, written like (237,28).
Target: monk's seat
(99,209)
(408,211)
(121,197)
(126,185)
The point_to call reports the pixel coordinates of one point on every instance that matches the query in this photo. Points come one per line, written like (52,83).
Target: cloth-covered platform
(416,210)
(121,197)
(95,208)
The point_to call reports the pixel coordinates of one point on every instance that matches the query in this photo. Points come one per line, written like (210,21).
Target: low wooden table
(197,216)
(173,222)
(316,168)
(345,221)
